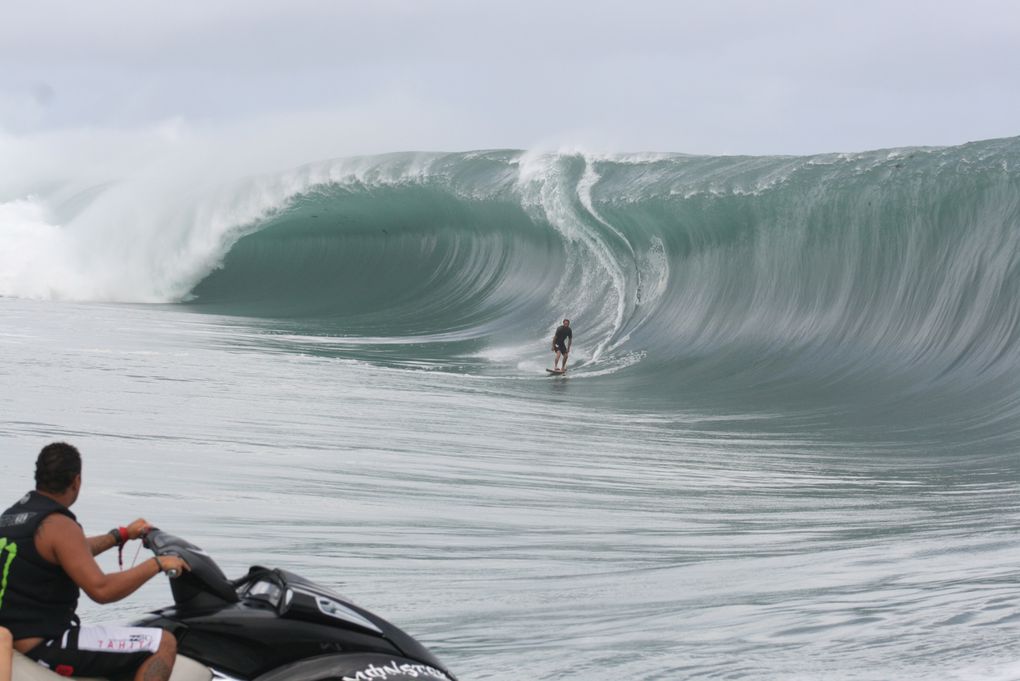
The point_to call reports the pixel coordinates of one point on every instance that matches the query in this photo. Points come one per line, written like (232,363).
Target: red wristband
(123,534)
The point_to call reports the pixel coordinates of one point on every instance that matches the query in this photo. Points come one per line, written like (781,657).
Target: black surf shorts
(110,652)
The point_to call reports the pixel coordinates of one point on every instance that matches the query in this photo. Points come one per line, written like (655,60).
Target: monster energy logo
(11,549)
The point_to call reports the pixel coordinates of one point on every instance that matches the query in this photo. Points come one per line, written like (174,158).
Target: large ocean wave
(888,265)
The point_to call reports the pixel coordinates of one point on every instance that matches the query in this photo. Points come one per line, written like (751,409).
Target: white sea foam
(143,215)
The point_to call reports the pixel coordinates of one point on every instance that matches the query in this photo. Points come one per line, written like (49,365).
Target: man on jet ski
(45,558)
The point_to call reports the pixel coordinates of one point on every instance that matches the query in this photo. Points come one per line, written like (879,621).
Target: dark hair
(56,467)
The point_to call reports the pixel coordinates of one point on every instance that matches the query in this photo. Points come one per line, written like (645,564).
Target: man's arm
(103,542)
(61,541)
(100,543)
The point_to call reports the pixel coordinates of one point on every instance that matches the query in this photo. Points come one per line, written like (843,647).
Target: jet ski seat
(185,669)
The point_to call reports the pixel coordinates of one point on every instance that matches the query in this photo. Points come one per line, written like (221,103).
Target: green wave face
(385,262)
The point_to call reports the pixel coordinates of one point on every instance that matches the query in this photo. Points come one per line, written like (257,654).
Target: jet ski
(269,625)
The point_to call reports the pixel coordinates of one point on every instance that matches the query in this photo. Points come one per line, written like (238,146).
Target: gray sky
(717,76)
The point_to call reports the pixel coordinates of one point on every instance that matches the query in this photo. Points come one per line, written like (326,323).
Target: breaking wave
(718,271)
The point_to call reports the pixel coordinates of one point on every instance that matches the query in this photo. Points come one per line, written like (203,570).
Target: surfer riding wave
(562,340)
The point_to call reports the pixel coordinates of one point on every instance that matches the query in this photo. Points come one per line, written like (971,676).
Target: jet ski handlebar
(172,573)
(203,579)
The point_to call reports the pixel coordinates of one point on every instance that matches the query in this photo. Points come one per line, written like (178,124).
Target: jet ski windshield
(294,597)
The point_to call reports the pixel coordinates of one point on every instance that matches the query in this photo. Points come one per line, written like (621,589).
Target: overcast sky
(716,76)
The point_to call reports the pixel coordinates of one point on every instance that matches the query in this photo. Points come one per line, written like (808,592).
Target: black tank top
(37,598)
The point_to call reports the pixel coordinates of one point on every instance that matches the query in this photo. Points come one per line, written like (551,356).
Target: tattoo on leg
(156,670)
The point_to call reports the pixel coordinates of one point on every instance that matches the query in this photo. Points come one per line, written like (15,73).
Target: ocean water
(787,446)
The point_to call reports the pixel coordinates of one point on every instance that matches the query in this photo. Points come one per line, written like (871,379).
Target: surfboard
(557,372)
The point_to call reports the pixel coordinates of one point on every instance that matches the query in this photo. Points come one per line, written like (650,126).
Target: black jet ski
(270,625)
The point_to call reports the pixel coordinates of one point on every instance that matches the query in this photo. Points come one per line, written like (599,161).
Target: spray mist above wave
(145,226)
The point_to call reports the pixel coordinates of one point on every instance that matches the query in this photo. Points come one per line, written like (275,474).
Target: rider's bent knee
(168,643)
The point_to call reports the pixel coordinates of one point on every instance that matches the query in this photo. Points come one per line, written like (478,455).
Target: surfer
(562,340)
(46,560)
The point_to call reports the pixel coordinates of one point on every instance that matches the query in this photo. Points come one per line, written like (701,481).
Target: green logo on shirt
(11,549)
